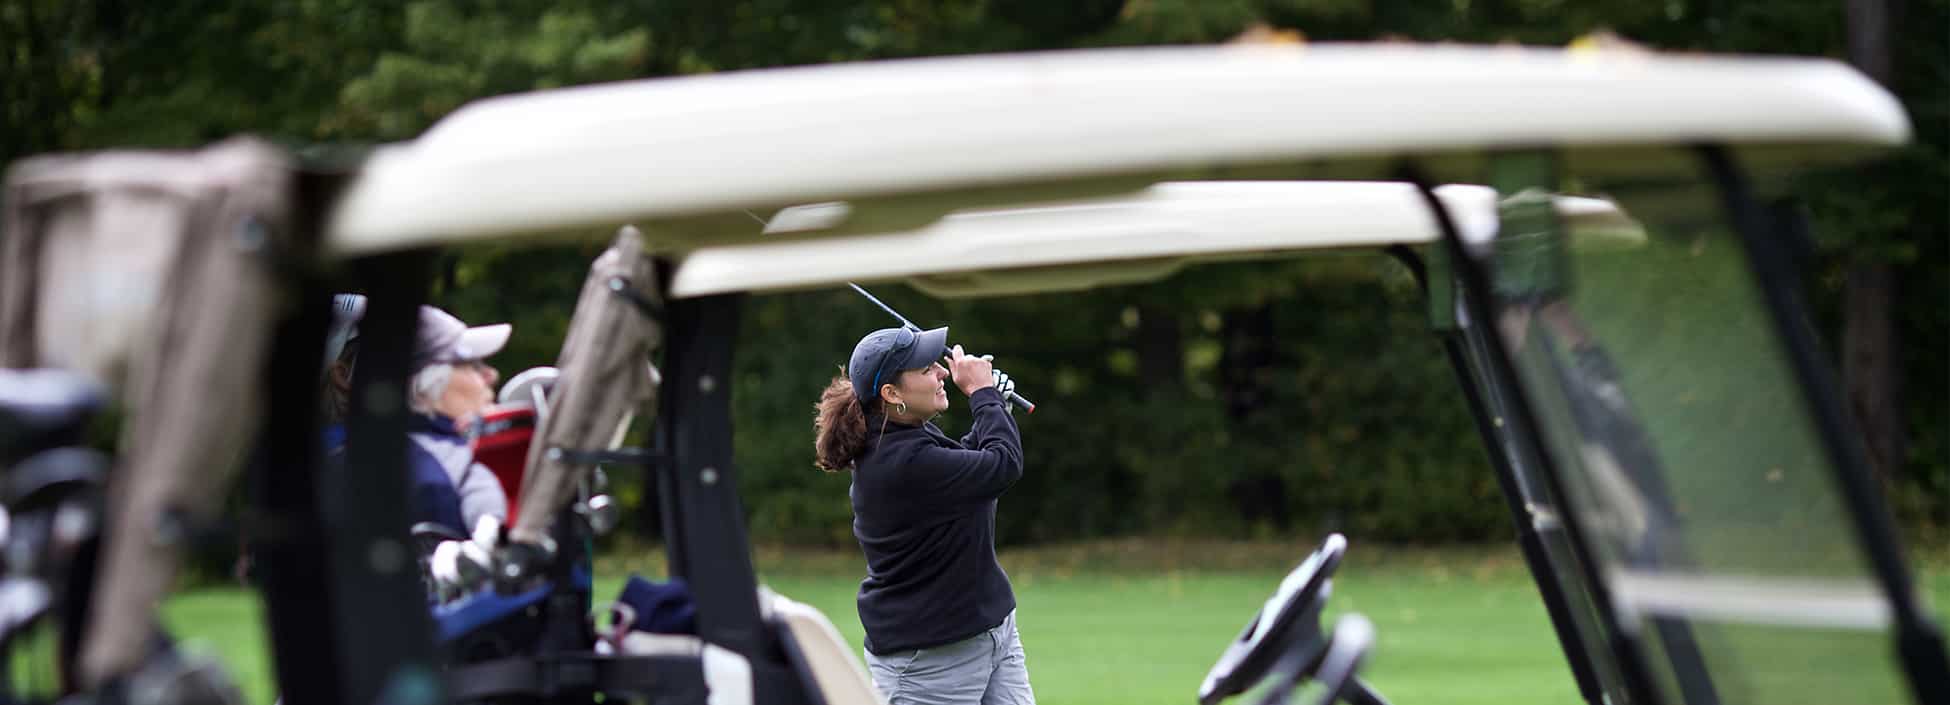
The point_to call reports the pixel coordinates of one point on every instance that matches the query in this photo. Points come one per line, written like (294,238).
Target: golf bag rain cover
(153,273)
(605,376)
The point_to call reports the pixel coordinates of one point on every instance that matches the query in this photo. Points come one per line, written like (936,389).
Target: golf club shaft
(884,307)
(1014,399)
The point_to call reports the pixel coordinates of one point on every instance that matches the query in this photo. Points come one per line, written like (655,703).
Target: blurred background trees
(1241,400)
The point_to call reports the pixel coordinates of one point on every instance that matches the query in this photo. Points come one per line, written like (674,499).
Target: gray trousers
(985,669)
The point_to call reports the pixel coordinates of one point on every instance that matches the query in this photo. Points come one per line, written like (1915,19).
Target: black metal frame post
(654,516)
(1497,445)
(1544,265)
(286,532)
(705,525)
(1474,299)
(1495,442)
(1919,640)
(386,645)
(670,510)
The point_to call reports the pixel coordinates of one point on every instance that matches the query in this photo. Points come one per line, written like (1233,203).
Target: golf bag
(155,276)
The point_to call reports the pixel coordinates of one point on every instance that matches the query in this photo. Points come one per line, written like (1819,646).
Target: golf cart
(1685,491)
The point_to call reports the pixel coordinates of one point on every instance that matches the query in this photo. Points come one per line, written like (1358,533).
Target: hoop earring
(901,408)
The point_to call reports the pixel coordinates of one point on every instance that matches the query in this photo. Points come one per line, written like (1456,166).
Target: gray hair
(428,385)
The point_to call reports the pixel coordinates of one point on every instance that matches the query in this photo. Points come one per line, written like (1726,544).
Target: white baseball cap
(444,338)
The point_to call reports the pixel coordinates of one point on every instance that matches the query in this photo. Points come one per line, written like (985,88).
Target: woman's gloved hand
(1005,384)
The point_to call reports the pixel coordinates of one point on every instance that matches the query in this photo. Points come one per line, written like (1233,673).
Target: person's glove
(457,569)
(1004,384)
(460,568)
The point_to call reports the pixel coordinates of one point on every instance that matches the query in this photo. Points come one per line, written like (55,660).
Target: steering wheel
(1334,664)
(1291,614)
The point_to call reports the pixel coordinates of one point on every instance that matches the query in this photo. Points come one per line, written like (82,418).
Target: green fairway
(1140,622)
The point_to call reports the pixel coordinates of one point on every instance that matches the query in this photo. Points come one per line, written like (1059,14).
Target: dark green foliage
(1355,424)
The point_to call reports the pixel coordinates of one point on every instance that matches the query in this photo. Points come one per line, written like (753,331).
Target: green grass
(1141,621)
(227,624)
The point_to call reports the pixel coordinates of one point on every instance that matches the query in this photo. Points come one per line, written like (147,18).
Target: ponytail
(840,426)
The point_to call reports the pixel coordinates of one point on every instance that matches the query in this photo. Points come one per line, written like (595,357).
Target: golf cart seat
(501,445)
(41,409)
(819,654)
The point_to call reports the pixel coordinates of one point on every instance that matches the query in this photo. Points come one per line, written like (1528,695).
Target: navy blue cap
(881,356)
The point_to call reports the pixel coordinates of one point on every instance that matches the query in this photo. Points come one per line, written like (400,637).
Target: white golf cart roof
(1096,242)
(908,141)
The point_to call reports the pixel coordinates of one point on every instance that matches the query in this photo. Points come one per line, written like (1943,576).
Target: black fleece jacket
(924,512)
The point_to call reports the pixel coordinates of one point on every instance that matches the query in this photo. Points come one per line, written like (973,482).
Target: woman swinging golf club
(937,608)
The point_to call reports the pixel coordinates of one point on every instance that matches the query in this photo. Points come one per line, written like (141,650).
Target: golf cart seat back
(153,274)
(823,659)
(507,430)
(501,444)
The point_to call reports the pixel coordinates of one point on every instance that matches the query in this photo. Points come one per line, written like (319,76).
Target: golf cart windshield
(1685,451)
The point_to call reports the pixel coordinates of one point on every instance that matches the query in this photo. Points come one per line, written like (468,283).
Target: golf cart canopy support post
(704,516)
(1472,297)
(290,545)
(1569,632)
(1439,288)
(1531,251)
(388,647)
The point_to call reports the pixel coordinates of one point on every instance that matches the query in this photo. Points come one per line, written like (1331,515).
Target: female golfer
(939,614)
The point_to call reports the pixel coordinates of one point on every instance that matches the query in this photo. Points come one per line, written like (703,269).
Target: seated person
(451,386)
